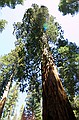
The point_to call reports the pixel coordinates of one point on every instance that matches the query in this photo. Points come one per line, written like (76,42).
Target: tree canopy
(69,6)
(28,34)
(10,3)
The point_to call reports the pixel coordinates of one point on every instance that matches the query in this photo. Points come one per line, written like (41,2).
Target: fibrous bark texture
(56,105)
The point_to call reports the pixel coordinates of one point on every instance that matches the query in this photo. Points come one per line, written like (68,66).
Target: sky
(70,24)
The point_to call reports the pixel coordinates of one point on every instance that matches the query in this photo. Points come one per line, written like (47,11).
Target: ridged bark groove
(56,105)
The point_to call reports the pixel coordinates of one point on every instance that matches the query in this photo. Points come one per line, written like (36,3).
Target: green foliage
(10,3)
(4,73)
(7,68)
(33,100)
(26,59)
(2,24)
(69,6)
(66,57)
(33,108)
(76,106)
(29,35)
(52,31)
(9,108)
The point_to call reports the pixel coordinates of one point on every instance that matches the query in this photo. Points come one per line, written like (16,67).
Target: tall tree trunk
(55,102)
(5,94)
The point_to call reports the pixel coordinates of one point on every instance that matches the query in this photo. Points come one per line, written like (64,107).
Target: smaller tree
(7,75)
(33,107)
(10,104)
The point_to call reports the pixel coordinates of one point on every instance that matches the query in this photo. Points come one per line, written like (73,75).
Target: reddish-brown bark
(23,116)
(2,103)
(55,102)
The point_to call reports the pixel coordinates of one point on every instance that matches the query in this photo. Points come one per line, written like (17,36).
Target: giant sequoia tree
(33,36)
